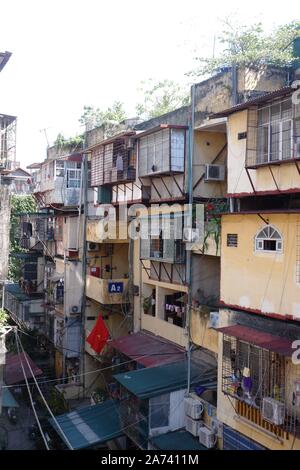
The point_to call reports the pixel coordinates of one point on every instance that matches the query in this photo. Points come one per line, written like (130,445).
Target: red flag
(99,335)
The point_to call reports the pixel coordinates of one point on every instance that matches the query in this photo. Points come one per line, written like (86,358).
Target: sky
(71,53)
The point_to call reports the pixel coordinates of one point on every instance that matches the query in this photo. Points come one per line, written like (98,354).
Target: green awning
(177,440)
(92,425)
(8,400)
(154,381)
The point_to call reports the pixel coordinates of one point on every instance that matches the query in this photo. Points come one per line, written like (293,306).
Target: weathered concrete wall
(179,117)
(215,93)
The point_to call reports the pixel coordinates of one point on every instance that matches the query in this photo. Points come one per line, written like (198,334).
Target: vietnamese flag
(99,336)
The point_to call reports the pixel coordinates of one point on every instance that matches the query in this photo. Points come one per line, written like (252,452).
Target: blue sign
(115,287)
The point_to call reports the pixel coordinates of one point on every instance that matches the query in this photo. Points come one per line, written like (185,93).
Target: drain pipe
(190,215)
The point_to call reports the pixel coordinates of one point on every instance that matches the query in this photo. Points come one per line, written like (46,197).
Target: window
(164,242)
(73,178)
(60,168)
(162,152)
(232,239)
(275,132)
(268,239)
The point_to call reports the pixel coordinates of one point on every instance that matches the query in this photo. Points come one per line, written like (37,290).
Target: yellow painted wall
(201,334)
(97,289)
(207,145)
(264,281)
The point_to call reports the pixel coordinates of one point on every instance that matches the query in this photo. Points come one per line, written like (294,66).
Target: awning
(13,373)
(91,425)
(8,400)
(177,440)
(277,344)
(148,350)
(155,381)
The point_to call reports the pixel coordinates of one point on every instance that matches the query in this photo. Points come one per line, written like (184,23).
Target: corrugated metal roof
(177,440)
(278,344)
(91,425)
(254,101)
(155,381)
(156,350)
(13,371)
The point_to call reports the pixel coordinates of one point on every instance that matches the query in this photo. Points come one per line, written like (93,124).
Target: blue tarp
(92,425)
(177,440)
(153,381)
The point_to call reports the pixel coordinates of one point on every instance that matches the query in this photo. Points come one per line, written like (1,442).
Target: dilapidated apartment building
(191,322)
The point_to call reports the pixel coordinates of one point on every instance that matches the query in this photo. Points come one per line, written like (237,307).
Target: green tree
(246,45)
(19,204)
(95,117)
(3,317)
(161,97)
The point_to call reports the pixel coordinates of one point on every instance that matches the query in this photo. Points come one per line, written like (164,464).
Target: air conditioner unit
(193,426)
(273,411)
(74,310)
(91,246)
(190,235)
(214,172)
(214,319)
(207,437)
(193,408)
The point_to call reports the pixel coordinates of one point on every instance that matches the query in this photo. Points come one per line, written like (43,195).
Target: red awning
(13,371)
(148,350)
(278,344)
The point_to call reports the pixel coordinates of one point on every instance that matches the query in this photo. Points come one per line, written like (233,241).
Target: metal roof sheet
(177,440)
(91,425)
(13,371)
(254,101)
(154,381)
(147,349)
(278,344)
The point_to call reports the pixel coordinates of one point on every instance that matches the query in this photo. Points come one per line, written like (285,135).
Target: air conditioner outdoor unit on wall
(273,411)
(91,246)
(193,426)
(207,437)
(193,408)
(214,172)
(214,319)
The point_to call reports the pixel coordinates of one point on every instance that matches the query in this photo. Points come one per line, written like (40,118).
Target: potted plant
(147,304)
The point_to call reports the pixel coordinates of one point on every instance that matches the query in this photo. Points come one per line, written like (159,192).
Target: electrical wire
(30,396)
(41,394)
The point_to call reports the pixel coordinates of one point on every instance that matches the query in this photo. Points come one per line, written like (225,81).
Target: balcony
(273,135)
(99,231)
(162,151)
(113,161)
(107,291)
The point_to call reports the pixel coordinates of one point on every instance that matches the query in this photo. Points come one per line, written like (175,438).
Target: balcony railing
(107,291)
(273,134)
